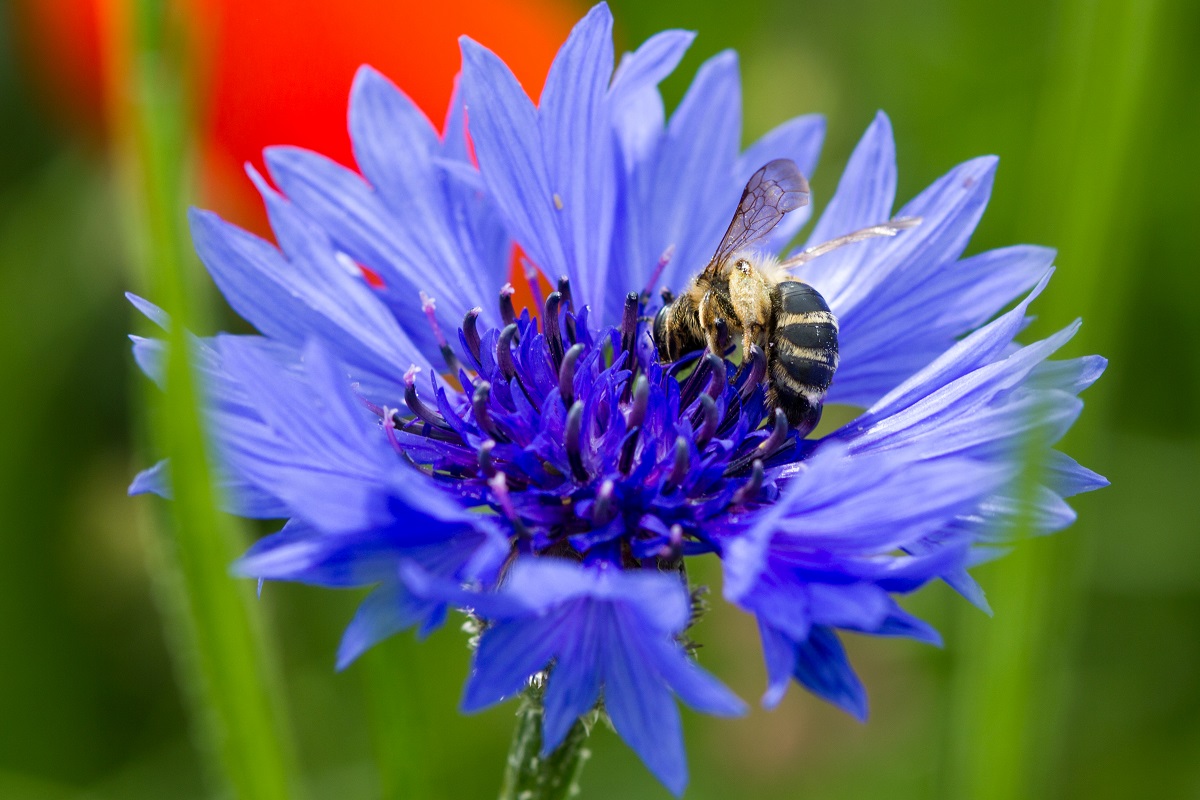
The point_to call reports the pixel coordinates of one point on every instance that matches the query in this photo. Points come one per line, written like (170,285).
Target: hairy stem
(529,776)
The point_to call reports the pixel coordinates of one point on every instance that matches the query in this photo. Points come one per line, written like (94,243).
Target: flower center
(585,443)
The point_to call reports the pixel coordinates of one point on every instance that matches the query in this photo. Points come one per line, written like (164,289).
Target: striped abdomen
(803,353)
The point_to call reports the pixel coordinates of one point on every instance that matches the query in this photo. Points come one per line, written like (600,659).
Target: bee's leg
(755,333)
(718,337)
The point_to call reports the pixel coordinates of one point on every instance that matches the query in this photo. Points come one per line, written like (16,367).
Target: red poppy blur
(279,71)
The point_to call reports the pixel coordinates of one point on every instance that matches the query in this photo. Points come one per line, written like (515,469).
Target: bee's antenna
(889,228)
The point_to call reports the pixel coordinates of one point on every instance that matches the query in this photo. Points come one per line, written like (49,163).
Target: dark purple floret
(588,450)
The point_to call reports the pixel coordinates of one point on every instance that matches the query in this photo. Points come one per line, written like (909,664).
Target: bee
(748,294)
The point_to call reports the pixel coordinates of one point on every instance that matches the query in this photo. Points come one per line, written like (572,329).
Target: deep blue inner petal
(589,450)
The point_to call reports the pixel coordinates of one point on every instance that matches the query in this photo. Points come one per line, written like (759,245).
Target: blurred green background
(1083,685)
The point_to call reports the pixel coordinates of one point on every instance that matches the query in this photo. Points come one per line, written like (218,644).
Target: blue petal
(694,686)
(394,142)
(1068,477)
(637,107)
(874,504)
(388,610)
(800,140)
(961,581)
(504,128)
(864,197)
(401,248)
(1072,375)
(975,351)
(900,623)
(300,553)
(149,310)
(974,289)
(236,496)
(979,406)
(780,656)
(293,302)
(697,163)
(646,67)
(155,480)
(822,666)
(577,145)
(509,653)
(574,684)
(642,711)
(878,322)
(332,474)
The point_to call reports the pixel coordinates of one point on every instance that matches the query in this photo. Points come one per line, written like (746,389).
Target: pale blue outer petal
(864,197)
(800,140)
(693,194)
(637,108)
(576,134)
(504,129)
(292,301)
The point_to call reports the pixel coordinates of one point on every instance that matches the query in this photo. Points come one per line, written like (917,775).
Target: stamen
(470,333)
(604,510)
(507,312)
(708,421)
(422,411)
(566,375)
(551,328)
(778,433)
(486,465)
(571,439)
(676,536)
(429,306)
(629,321)
(766,448)
(498,483)
(690,388)
(754,375)
(716,384)
(483,415)
(679,466)
(749,490)
(531,277)
(641,401)
(389,429)
(564,288)
(628,448)
(379,411)
(504,358)
(670,548)
(663,260)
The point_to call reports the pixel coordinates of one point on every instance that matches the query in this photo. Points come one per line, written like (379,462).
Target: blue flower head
(540,466)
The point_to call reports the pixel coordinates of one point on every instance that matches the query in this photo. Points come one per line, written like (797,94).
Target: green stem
(528,776)
(213,622)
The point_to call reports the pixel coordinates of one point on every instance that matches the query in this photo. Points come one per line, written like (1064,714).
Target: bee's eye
(660,328)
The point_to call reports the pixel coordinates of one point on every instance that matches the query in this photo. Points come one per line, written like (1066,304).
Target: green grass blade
(1010,688)
(216,627)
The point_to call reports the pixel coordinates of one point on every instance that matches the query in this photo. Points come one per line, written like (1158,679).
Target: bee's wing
(770,193)
(889,228)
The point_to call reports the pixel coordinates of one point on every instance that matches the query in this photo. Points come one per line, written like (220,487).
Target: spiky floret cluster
(586,451)
(544,471)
